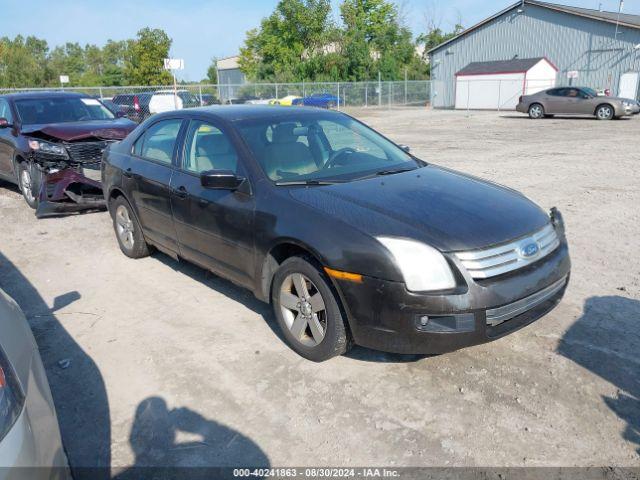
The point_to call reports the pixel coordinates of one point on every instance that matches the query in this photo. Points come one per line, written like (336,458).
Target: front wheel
(605,112)
(306,308)
(536,111)
(29,179)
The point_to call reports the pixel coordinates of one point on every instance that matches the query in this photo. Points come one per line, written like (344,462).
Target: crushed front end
(69,175)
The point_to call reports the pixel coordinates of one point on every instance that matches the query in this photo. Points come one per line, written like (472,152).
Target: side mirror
(406,148)
(4,123)
(120,114)
(220,180)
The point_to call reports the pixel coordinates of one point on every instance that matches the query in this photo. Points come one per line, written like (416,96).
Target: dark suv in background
(50,142)
(135,106)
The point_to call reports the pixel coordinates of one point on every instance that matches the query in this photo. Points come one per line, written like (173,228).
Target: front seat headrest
(285,133)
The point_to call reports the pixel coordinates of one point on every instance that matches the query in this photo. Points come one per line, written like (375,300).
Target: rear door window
(159,141)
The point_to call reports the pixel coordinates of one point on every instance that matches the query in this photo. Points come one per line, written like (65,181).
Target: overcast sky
(201,29)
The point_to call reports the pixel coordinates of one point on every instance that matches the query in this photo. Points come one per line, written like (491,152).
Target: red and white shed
(498,85)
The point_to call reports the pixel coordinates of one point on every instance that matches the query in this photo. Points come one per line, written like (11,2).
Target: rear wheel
(29,179)
(605,112)
(128,230)
(536,111)
(307,311)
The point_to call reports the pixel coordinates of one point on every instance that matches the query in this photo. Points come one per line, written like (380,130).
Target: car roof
(43,94)
(237,113)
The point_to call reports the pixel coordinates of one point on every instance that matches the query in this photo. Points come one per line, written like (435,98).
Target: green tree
(212,72)
(144,63)
(23,62)
(374,40)
(114,57)
(435,36)
(288,42)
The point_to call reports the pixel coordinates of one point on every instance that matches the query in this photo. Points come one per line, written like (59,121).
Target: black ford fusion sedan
(349,236)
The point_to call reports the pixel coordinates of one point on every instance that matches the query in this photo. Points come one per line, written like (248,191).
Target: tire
(536,111)
(605,112)
(302,316)
(29,181)
(127,229)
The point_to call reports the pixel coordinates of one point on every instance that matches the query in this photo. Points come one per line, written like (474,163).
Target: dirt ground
(153,362)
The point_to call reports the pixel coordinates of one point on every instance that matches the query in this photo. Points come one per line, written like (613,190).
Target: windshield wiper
(386,172)
(307,182)
(393,172)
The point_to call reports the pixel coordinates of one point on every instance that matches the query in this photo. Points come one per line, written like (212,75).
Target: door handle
(129,174)
(180,192)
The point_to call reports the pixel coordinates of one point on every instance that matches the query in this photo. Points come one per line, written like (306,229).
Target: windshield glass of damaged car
(321,148)
(34,111)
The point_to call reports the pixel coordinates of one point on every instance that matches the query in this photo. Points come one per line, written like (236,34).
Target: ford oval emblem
(529,250)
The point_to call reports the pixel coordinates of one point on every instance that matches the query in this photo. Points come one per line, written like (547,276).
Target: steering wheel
(337,154)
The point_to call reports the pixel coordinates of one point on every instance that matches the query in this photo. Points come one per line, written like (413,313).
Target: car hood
(446,209)
(72,131)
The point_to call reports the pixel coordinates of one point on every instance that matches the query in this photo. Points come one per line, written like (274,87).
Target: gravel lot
(170,365)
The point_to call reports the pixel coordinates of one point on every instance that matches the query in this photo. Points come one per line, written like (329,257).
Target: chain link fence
(139,102)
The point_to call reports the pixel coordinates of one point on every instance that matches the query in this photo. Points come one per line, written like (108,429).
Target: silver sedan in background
(30,442)
(574,101)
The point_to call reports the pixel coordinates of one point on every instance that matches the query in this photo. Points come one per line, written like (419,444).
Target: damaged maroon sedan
(51,146)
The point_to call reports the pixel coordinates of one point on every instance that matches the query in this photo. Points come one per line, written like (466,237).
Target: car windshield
(322,148)
(590,91)
(34,111)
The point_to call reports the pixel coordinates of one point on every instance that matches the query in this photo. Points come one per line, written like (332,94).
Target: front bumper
(68,191)
(385,316)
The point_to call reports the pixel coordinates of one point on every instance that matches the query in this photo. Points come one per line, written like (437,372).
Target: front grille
(86,152)
(511,256)
(496,316)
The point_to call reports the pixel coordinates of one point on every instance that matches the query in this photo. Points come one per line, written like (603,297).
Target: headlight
(423,267)
(48,147)
(11,396)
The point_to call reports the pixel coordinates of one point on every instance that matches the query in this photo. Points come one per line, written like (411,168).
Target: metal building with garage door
(590,47)
(498,85)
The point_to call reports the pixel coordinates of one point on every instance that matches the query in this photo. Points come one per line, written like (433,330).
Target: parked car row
(350,237)
(139,106)
(313,211)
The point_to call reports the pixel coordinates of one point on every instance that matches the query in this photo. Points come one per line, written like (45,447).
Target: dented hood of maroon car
(115,129)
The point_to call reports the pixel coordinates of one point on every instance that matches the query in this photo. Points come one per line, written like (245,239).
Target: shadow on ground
(606,341)
(76,384)
(159,449)
(246,298)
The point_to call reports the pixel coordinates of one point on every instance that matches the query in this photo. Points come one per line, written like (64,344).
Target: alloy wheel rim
(303,309)
(605,112)
(536,111)
(124,227)
(25,183)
